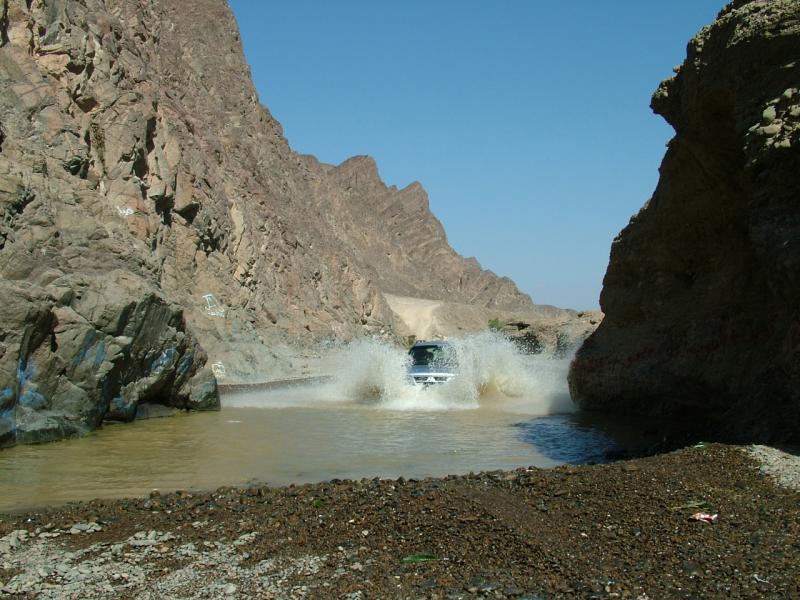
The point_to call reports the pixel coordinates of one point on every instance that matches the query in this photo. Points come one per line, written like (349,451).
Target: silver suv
(432,363)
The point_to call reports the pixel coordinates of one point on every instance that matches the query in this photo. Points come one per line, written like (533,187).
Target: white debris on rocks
(245,539)
(782,466)
(134,568)
(85,528)
(48,570)
(12,540)
(151,538)
(217,571)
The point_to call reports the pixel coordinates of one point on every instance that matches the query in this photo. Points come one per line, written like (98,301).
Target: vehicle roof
(439,343)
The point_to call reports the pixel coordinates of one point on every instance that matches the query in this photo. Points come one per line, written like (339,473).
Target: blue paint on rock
(122,408)
(8,423)
(25,371)
(185,363)
(32,399)
(100,354)
(165,359)
(28,395)
(88,341)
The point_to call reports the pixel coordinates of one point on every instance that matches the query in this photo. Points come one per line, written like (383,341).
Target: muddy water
(501,412)
(277,446)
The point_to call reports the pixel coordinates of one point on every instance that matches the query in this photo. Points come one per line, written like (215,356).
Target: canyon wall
(154,220)
(702,292)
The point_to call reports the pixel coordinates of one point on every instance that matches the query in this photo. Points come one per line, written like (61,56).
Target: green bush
(496,324)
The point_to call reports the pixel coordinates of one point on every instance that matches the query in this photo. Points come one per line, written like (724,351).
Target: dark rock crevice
(3,22)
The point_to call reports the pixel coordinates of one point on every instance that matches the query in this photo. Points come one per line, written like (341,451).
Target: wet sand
(621,530)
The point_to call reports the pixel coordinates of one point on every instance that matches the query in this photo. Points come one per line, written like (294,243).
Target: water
(498,414)
(492,372)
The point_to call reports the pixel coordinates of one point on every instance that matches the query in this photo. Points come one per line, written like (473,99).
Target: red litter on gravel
(704,517)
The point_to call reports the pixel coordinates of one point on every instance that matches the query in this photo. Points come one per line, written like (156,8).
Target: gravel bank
(782,466)
(607,531)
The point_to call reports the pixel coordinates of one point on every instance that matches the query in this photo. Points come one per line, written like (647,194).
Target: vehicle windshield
(439,356)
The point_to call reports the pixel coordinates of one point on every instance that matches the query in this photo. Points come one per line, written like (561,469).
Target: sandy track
(417,314)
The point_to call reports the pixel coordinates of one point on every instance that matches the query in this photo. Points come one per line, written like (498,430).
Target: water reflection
(586,437)
(564,439)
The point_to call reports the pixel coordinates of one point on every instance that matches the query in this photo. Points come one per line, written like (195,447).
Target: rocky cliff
(702,292)
(153,215)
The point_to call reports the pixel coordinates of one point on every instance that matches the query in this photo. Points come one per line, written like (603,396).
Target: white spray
(492,373)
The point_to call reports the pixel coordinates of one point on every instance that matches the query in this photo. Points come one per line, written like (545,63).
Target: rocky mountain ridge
(701,295)
(140,176)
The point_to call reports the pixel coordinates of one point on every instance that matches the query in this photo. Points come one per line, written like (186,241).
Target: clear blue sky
(528,122)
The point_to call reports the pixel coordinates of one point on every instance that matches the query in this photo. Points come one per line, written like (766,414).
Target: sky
(527,122)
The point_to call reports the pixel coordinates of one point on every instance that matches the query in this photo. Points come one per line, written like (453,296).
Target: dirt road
(418,315)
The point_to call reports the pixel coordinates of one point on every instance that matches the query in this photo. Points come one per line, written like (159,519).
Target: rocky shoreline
(622,530)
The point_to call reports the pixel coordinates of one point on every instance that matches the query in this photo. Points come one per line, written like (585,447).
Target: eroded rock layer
(702,293)
(152,214)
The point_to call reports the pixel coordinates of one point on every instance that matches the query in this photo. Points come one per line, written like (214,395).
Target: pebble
(246,538)
(49,534)
(13,540)
(139,543)
(768,116)
(84,528)
(229,590)
(771,130)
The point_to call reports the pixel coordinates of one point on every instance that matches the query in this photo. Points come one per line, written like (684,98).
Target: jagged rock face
(137,167)
(396,240)
(702,293)
(165,123)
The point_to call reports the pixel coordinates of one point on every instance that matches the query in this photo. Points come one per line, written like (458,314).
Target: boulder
(68,366)
(702,290)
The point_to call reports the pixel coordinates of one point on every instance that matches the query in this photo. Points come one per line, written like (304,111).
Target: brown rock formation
(140,174)
(702,293)
(395,238)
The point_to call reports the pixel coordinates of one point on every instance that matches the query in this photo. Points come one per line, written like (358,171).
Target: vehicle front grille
(428,378)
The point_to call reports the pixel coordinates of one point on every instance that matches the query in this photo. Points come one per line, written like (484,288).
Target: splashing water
(491,373)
